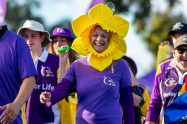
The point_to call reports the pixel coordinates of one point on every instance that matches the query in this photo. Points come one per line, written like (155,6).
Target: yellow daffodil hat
(103,16)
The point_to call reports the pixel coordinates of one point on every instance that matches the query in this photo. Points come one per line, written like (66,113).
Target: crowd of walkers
(84,76)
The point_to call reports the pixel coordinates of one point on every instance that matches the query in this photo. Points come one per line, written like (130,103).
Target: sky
(74,8)
(54,10)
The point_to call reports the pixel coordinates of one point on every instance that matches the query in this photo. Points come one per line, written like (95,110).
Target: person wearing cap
(17,72)
(170,84)
(61,37)
(102,78)
(37,38)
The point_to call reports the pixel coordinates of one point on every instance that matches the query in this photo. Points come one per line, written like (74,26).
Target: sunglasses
(181,50)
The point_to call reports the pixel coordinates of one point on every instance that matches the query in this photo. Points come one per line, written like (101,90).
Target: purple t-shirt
(15,65)
(98,92)
(36,112)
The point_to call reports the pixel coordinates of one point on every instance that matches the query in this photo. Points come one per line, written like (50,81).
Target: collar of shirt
(42,58)
(181,76)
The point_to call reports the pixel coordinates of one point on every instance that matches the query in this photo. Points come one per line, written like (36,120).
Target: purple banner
(148,80)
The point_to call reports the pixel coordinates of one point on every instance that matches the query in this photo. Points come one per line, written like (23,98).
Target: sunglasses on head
(181,50)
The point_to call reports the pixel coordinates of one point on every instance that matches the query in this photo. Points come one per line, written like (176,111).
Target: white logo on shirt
(170,82)
(44,86)
(46,71)
(109,81)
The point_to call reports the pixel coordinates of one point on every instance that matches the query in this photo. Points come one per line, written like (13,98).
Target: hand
(10,112)
(63,60)
(63,56)
(45,97)
(64,48)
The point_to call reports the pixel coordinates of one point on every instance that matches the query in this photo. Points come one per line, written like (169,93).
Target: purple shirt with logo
(101,95)
(165,90)
(38,113)
(15,65)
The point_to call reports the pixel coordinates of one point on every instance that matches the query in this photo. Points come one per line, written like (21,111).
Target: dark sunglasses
(181,50)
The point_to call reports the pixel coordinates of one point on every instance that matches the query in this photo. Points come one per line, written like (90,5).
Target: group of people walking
(93,82)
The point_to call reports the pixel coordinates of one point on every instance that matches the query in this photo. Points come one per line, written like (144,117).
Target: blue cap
(179,27)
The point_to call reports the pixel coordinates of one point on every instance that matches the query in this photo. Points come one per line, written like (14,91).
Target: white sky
(54,10)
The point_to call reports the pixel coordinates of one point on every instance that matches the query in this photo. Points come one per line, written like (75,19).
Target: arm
(155,104)
(126,101)
(133,78)
(126,97)
(58,93)
(63,58)
(150,122)
(62,89)
(136,98)
(11,110)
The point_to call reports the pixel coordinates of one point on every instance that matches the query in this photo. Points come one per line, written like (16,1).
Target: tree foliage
(159,26)
(152,26)
(17,13)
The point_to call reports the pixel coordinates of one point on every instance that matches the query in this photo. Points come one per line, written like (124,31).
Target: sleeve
(126,98)
(66,85)
(60,91)
(154,108)
(126,101)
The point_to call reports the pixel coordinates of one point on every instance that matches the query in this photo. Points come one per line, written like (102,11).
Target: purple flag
(2,11)
(148,80)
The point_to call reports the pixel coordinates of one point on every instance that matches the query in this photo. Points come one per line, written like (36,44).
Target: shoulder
(13,37)
(53,58)
(13,34)
(78,64)
(121,63)
(163,66)
(81,60)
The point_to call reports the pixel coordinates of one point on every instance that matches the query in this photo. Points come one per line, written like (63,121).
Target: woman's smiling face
(99,39)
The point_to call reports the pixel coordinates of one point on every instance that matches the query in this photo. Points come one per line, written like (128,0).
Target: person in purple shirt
(17,72)
(17,75)
(63,37)
(37,38)
(169,79)
(102,78)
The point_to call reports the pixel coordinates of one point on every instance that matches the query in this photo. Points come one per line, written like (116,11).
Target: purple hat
(62,32)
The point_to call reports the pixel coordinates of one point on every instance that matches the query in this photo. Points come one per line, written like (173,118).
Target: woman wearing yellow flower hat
(102,79)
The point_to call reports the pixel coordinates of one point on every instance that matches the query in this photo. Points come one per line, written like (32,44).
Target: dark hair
(131,64)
